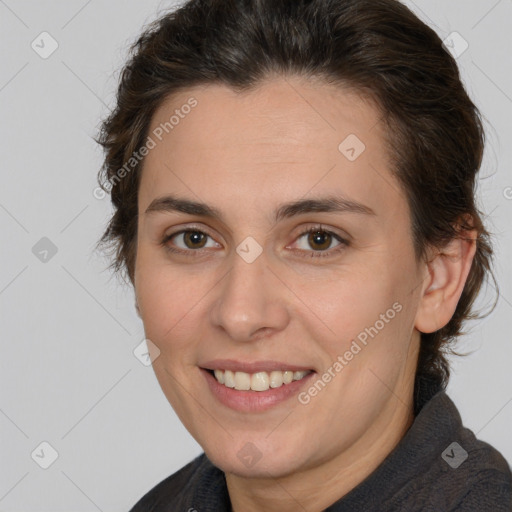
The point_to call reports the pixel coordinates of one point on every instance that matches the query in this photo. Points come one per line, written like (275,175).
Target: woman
(293,185)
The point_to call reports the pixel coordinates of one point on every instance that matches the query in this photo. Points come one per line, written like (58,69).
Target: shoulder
(441,465)
(487,477)
(470,474)
(173,488)
(489,490)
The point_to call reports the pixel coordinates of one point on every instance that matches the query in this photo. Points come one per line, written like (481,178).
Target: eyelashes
(318,231)
(315,235)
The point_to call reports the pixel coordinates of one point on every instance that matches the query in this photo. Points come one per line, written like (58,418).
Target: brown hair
(378,47)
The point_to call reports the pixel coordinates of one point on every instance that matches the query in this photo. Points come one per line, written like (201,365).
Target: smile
(259,381)
(256,386)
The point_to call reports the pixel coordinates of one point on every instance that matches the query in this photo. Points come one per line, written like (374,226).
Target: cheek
(169,302)
(346,301)
(369,303)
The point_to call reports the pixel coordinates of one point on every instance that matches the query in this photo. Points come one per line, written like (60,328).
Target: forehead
(287,138)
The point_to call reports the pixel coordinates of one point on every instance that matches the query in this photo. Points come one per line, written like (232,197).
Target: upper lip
(252,366)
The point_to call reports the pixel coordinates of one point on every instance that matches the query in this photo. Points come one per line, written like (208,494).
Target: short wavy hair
(377,47)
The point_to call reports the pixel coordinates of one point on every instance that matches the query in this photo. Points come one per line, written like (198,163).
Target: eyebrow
(328,204)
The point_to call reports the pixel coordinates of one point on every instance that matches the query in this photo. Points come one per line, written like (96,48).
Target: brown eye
(320,240)
(189,241)
(194,239)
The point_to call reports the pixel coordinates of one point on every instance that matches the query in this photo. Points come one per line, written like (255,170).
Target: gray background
(68,373)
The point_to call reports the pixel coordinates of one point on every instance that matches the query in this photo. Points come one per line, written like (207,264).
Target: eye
(188,240)
(314,242)
(321,241)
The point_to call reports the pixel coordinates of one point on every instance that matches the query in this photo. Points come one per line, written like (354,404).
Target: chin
(260,458)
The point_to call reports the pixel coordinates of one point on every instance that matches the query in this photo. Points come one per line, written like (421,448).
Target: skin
(246,154)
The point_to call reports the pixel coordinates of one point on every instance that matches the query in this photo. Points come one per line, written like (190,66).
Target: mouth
(259,381)
(254,387)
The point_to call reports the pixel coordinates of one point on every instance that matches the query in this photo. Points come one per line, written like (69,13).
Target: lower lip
(253,401)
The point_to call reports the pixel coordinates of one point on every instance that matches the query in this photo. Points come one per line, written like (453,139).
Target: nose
(250,302)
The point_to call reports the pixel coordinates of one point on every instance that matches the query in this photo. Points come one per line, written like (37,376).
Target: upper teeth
(260,381)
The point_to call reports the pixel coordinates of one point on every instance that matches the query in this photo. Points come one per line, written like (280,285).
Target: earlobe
(448,271)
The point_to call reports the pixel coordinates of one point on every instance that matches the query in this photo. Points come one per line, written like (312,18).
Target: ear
(447,274)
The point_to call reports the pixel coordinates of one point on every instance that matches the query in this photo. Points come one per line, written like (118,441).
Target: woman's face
(242,287)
